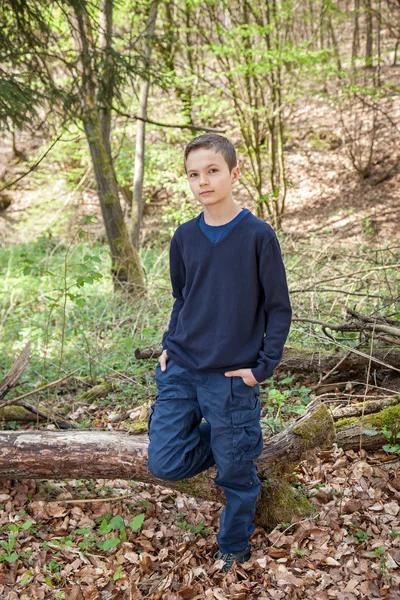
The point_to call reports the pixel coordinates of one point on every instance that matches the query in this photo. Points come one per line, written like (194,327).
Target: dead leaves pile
(350,550)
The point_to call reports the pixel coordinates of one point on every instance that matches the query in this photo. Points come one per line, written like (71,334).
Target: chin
(208,201)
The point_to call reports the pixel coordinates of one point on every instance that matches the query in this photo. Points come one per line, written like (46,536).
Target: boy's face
(209,177)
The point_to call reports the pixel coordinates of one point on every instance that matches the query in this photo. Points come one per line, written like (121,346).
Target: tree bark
(369,32)
(125,262)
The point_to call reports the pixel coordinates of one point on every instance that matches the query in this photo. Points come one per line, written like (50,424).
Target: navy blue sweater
(232,307)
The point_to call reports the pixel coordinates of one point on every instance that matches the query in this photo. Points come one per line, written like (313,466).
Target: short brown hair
(218,142)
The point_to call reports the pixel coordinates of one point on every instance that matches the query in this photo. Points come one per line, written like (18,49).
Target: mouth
(205,193)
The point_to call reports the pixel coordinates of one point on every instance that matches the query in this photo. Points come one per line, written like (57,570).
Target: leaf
(286,380)
(12,557)
(392,449)
(25,577)
(111,543)
(115,523)
(370,432)
(83,531)
(137,522)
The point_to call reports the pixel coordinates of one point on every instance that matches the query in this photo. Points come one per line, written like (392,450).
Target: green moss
(97,391)
(389,417)
(346,421)
(198,486)
(393,401)
(138,427)
(320,421)
(16,413)
(279,503)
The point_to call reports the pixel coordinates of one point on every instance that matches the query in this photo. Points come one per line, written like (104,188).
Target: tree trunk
(96,95)
(99,454)
(137,198)
(369,32)
(125,262)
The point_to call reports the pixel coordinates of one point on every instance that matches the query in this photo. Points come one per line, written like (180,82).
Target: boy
(228,326)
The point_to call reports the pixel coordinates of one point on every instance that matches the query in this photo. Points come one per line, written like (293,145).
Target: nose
(203,180)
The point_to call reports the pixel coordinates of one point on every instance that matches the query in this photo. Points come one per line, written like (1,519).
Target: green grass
(101,333)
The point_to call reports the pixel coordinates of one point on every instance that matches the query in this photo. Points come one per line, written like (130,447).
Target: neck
(220,215)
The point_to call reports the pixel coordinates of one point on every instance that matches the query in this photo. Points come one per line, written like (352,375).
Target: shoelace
(224,557)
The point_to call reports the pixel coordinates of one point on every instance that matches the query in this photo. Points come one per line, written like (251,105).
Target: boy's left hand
(245,374)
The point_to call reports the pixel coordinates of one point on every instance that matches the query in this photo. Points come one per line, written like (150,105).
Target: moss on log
(350,430)
(16,413)
(97,391)
(278,503)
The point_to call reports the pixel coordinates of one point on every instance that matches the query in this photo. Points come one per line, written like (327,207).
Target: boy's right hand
(163,360)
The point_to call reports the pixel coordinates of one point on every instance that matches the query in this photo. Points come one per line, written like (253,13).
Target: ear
(235,174)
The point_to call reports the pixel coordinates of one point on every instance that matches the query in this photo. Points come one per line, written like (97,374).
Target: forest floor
(158,544)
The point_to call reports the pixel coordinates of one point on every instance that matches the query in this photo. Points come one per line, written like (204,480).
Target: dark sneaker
(229,559)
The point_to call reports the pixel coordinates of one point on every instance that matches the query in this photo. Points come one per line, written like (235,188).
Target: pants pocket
(247,441)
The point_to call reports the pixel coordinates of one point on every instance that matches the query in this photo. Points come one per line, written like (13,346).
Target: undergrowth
(58,294)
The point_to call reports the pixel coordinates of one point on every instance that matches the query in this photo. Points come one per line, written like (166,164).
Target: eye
(216,170)
(192,174)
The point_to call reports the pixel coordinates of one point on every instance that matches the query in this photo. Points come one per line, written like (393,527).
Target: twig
(61,423)
(345,276)
(312,518)
(344,383)
(365,393)
(381,327)
(178,126)
(44,387)
(333,369)
(95,500)
(33,167)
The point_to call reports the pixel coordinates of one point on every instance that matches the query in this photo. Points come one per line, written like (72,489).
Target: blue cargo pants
(181,445)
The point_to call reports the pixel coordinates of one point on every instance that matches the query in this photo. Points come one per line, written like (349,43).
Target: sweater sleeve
(278,312)
(178,277)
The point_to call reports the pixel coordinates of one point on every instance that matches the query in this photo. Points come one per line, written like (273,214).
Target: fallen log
(351,431)
(364,408)
(98,454)
(92,454)
(304,360)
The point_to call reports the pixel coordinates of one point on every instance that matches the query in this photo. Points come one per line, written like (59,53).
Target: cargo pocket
(247,441)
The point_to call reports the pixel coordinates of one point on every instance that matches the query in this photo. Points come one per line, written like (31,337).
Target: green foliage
(360,536)
(393,447)
(9,554)
(199,528)
(282,403)
(137,522)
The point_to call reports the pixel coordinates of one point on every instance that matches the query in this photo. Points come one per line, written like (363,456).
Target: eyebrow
(207,167)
